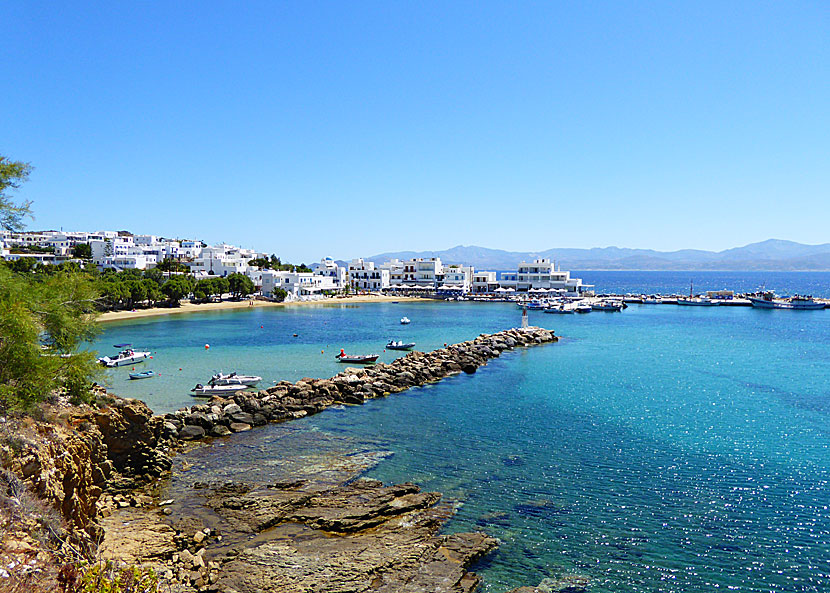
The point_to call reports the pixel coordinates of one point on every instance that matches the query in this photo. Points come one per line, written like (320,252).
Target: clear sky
(310,129)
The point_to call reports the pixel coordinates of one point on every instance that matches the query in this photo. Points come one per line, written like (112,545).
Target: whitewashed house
(333,276)
(363,275)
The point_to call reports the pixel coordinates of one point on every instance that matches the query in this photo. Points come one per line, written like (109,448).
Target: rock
(231,409)
(191,432)
(220,430)
(239,426)
(242,418)
(199,537)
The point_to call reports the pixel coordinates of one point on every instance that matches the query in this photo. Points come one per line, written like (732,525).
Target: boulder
(191,432)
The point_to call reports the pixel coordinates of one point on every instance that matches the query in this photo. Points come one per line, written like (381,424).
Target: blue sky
(345,129)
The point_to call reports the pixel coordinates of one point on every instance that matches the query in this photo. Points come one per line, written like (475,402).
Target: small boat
(233,379)
(405,321)
(392,345)
(607,306)
(583,308)
(125,357)
(697,302)
(207,390)
(142,375)
(652,301)
(560,310)
(356,359)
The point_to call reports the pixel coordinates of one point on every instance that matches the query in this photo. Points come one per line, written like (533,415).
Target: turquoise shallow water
(660,449)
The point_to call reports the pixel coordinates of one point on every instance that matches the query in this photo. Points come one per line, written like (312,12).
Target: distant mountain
(773,254)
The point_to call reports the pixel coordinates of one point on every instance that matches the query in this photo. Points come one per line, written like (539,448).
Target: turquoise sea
(661,449)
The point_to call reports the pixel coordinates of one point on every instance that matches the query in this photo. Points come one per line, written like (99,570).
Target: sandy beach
(187,307)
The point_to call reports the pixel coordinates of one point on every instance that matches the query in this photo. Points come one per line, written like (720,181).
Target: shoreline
(188,307)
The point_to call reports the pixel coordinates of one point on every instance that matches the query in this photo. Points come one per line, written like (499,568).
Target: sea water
(659,449)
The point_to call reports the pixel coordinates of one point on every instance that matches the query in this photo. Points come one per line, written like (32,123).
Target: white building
(542,273)
(338,275)
(484,282)
(395,268)
(298,285)
(222,260)
(423,272)
(456,276)
(363,275)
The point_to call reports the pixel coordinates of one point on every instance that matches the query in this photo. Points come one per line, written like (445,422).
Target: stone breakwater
(356,536)
(222,416)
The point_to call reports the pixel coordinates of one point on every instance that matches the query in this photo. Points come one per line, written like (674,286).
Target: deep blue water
(661,449)
(784,283)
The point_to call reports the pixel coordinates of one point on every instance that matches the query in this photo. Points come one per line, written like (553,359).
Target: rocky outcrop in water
(286,400)
(358,537)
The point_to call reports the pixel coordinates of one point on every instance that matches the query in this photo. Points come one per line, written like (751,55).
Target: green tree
(82,251)
(176,288)
(154,293)
(279,294)
(171,265)
(240,285)
(43,321)
(205,287)
(155,275)
(12,176)
(222,286)
(260,262)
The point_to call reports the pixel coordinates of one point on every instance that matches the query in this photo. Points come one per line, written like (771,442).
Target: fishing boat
(405,321)
(393,345)
(607,306)
(356,359)
(697,302)
(207,390)
(125,357)
(767,300)
(142,375)
(233,379)
(560,310)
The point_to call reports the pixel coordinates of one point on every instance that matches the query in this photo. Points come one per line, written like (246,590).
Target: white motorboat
(405,321)
(607,306)
(233,379)
(125,357)
(560,310)
(208,390)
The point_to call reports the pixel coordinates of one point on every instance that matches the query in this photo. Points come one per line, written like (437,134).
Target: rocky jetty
(222,416)
(356,536)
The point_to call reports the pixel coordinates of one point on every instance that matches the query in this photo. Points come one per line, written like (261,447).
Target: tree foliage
(12,176)
(172,265)
(82,251)
(240,285)
(44,319)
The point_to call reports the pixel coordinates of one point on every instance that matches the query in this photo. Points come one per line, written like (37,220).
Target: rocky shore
(286,400)
(296,535)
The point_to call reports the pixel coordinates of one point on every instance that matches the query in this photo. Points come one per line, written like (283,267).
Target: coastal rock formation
(360,536)
(357,536)
(69,460)
(287,401)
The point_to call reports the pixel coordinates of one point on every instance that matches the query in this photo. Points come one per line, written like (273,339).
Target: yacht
(399,345)
(405,321)
(125,357)
(207,390)
(234,379)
